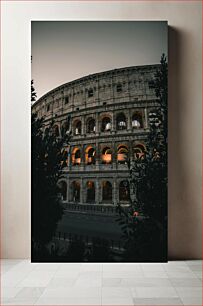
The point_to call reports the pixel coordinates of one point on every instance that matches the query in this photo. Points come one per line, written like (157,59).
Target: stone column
(68,190)
(114,192)
(129,121)
(98,155)
(97,191)
(81,191)
(83,128)
(97,124)
(70,158)
(145,119)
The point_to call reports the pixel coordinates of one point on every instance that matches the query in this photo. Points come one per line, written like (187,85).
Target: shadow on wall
(184,231)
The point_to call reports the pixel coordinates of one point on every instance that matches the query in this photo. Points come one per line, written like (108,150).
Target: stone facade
(109,121)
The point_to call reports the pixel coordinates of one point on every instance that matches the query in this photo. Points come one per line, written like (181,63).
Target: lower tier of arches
(95,190)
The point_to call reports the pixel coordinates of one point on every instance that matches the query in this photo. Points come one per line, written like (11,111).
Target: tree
(33,92)
(48,157)
(144,225)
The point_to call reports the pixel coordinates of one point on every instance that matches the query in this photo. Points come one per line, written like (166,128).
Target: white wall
(185,58)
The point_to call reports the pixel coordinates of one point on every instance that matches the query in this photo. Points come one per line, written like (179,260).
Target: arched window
(90,192)
(106,155)
(137,120)
(121,123)
(55,130)
(78,128)
(124,191)
(90,156)
(75,191)
(106,192)
(119,87)
(122,155)
(139,151)
(90,93)
(106,124)
(76,157)
(91,127)
(63,189)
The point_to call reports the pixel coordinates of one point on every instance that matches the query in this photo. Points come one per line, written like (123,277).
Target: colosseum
(108,114)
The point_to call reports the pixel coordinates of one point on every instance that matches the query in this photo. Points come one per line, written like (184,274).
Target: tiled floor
(173,283)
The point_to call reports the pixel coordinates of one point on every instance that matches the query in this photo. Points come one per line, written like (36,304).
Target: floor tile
(32,292)
(73,292)
(147,282)
(185,282)
(22,301)
(61,282)
(115,292)
(69,301)
(157,301)
(192,301)
(154,292)
(117,301)
(189,291)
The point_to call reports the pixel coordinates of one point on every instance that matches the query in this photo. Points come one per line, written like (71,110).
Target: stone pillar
(97,124)
(114,192)
(98,156)
(82,200)
(82,154)
(68,191)
(97,191)
(83,128)
(129,121)
(145,119)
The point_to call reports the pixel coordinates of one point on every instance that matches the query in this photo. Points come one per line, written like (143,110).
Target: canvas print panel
(99,141)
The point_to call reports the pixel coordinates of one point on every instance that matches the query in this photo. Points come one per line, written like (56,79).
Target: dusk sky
(63,51)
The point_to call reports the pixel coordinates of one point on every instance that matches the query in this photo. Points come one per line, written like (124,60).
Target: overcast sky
(63,51)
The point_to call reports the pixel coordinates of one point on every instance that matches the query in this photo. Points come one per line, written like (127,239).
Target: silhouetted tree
(144,225)
(48,157)
(33,92)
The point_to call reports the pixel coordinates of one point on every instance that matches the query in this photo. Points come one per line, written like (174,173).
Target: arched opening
(106,192)
(64,129)
(106,156)
(90,156)
(106,124)
(122,155)
(55,130)
(75,191)
(139,151)
(137,120)
(91,127)
(90,192)
(76,157)
(77,128)
(46,132)
(121,123)
(63,190)
(124,191)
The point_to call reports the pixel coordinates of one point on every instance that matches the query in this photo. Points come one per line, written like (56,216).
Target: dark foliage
(33,92)
(47,160)
(144,225)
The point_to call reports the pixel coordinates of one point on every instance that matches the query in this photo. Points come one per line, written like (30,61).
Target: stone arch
(106,123)
(137,120)
(124,191)
(139,151)
(90,155)
(121,121)
(63,189)
(56,130)
(107,192)
(76,156)
(107,155)
(64,128)
(91,125)
(90,192)
(122,154)
(75,188)
(77,127)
